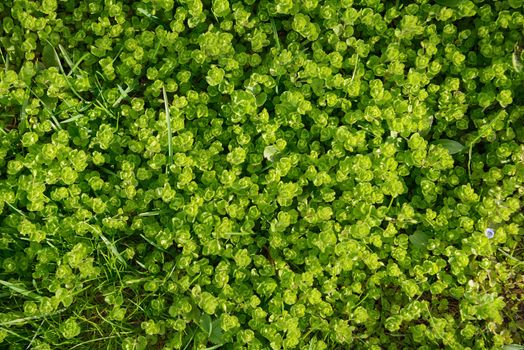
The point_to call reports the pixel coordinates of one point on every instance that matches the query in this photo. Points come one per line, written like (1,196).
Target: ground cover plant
(261,174)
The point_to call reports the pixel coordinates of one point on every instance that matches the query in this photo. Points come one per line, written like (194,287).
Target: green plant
(261,174)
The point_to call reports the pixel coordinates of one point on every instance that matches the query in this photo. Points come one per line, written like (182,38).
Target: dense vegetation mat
(340,174)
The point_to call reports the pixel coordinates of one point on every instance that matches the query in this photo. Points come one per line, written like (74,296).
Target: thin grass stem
(169,131)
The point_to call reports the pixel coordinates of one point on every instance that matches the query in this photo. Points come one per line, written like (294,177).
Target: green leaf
(216,335)
(453,147)
(212,329)
(48,56)
(206,324)
(419,239)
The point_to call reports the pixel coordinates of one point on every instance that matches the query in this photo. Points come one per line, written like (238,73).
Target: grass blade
(145,13)
(55,123)
(238,233)
(6,60)
(156,246)
(123,94)
(66,56)
(16,209)
(16,334)
(78,63)
(102,107)
(214,347)
(153,243)
(169,131)
(34,335)
(112,248)
(355,69)
(94,340)
(275,34)
(152,213)
(57,58)
(72,119)
(229,235)
(30,318)
(20,290)
(135,281)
